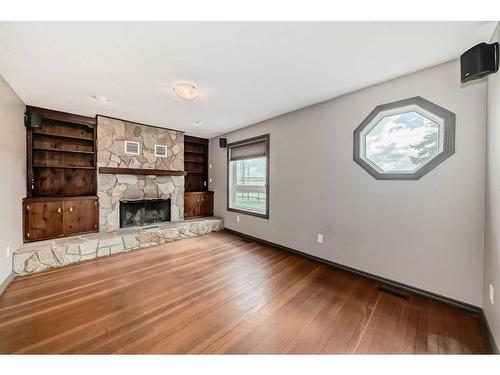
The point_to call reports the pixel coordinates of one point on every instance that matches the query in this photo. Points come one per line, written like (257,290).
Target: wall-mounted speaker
(33,120)
(222,142)
(479,61)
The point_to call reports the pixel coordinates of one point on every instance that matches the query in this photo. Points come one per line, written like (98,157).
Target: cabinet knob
(71,209)
(59,209)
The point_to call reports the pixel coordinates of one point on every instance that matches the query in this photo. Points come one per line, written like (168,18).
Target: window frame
(266,139)
(448,147)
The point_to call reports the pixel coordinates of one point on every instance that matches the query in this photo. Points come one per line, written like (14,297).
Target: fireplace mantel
(141,171)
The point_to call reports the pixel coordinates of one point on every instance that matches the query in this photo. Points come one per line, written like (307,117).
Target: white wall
(492,226)
(12,174)
(427,233)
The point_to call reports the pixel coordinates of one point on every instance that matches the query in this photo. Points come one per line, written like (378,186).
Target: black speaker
(32,120)
(479,61)
(222,142)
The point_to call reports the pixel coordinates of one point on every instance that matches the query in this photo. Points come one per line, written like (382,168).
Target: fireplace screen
(144,212)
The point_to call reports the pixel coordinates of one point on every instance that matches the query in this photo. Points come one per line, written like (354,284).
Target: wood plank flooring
(220,293)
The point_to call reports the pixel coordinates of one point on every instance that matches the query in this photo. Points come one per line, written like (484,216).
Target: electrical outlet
(320,238)
(492,294)
(210,180)
(210,166)
(238,218)
(8,252)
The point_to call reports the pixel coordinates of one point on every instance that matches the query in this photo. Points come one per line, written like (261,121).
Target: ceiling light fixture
(100,98)
(186,91)
(198,122)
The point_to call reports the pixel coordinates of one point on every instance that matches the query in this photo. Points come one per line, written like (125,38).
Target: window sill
(250,213)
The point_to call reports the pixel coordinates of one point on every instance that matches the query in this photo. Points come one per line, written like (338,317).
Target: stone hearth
(39,256)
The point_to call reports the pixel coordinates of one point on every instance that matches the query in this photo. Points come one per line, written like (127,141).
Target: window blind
(251,150)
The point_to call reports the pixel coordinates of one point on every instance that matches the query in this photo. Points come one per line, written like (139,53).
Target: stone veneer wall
(111,137)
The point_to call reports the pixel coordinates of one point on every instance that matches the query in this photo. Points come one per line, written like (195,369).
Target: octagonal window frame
(445,119)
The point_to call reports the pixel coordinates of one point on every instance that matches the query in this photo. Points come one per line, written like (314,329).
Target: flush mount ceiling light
(198,123)
(100,98)
(186,91)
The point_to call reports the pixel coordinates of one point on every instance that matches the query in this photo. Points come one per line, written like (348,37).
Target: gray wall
(13,174)
(492,226)
(427,233)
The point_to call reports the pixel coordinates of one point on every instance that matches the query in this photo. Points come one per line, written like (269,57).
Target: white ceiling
(245,71)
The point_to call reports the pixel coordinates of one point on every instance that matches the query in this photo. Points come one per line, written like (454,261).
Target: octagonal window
(404,139)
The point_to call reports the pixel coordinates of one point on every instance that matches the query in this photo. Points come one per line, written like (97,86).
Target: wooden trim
(396,284)
(60,199)
(137,123)
(61,150)
(489,333)
(266,138)
(62,116)
(198,192)
(62,136)
(61,166)
(29,162)
(94,175)
(140,171)
(198,140)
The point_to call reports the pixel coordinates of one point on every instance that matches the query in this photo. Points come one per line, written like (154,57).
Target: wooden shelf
(63,135)
(194,161)
(60,166)
(60,150)
(195,152)
(194,172)
(140,171)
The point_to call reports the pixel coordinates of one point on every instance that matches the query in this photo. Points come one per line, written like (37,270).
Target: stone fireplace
(114,188)
(144,212)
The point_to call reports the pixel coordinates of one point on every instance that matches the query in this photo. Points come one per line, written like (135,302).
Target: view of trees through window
(248,184)
(402,142)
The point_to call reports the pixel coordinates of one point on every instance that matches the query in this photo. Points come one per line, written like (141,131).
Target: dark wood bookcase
(61,175)
(198,201)
(195,164)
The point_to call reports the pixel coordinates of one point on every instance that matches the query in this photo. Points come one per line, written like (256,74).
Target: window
(248,176)
(404,140)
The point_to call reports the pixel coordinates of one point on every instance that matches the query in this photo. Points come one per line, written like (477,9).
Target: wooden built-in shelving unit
(198,201)
(61,175)
(196,164)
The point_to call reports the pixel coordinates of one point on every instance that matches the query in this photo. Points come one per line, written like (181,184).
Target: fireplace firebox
(144,212)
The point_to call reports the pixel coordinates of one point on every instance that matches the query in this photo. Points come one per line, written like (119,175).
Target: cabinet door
(191,205)
(207,204)
(43,220)
(80,216)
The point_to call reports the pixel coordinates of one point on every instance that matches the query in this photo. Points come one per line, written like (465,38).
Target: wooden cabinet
(80,216)
(198,204)
(191,205)
(42,220)
(46,218)
(207,204)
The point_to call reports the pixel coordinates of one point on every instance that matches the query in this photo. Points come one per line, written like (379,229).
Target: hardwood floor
(220,293)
